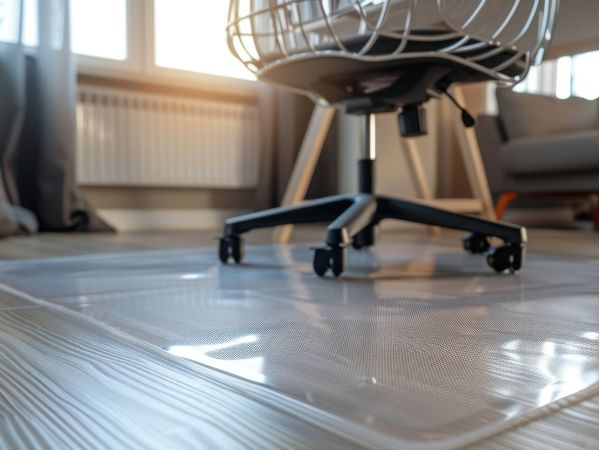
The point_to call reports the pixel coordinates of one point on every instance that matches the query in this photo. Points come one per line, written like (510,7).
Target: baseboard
(167,219)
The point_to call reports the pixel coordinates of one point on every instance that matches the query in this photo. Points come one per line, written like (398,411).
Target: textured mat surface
(415,347)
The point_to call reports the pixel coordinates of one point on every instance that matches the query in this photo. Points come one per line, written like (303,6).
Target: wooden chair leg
(417,171)
(473,162)
(502,204)
(304,167)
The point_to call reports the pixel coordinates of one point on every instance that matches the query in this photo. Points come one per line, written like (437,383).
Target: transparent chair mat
(423,346)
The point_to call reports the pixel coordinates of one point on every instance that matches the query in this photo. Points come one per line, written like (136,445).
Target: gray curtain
(37,129)
(12,97)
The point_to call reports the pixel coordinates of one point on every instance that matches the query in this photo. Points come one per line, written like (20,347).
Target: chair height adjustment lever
(467,119)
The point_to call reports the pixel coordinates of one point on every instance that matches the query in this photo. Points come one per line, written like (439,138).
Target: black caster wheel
(357,244)
(231,247)
(329,258)
(508,257)
(476,243)
(365,238)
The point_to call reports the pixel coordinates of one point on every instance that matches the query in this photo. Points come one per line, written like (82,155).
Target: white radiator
(127,138)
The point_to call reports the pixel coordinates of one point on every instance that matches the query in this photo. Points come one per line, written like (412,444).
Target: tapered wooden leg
(417,172)
(304,167)
(473,162)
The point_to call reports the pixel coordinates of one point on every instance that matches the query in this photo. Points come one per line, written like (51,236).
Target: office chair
(374,56)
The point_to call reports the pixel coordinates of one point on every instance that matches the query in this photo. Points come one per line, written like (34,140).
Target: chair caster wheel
(364,239)
(357,244)
(329,258)
(476,243)
(508,257)
(231,247)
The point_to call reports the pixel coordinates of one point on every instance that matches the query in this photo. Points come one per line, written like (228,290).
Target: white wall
(576,28)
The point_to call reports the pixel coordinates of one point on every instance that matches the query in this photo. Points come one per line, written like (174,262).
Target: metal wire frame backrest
(266,32)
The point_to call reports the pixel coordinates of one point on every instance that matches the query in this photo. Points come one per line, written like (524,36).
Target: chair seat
(339,78)
(572,152)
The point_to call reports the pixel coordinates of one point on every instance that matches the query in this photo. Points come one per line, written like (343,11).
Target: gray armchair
(539,145)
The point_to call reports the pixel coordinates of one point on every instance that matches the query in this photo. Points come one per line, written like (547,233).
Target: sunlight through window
(30,23)
(190,35)
(99,28)
(585,70)
(9,21)
(565,77)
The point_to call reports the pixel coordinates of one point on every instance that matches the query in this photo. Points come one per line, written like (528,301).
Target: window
(531,83)
(584,71)
(99,28)
(565,77)
(9,21)
(174,40)
(190,35)
(30,23)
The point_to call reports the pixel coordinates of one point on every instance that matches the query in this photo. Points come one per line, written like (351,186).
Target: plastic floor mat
(415,347)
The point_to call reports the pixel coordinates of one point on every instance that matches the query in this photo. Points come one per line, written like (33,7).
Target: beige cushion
(529,115)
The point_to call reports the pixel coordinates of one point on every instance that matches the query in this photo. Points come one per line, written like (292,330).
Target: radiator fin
(136,139)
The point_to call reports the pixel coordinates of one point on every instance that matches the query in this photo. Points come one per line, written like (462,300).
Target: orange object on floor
(505,199)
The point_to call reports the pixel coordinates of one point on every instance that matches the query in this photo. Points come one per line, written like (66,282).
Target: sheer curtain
(37,125)
(12,98)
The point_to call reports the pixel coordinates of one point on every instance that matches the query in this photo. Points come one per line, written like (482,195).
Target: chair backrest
(498,39)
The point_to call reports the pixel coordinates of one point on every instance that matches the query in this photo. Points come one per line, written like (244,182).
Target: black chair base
(353,218)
